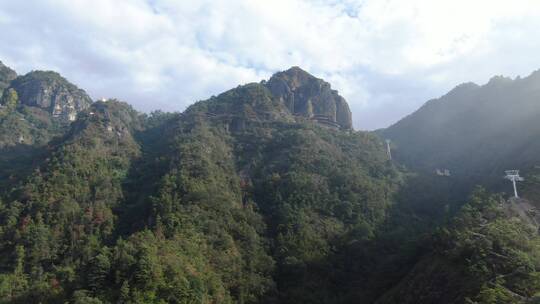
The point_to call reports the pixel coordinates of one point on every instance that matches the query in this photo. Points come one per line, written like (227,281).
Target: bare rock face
(305,95)
(6,76)
(51,92)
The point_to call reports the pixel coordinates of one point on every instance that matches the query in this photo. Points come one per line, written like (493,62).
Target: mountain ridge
(472,126)
(246,197)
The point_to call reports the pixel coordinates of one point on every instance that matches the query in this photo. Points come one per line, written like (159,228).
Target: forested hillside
(474,133)
(482,255)
(262,194)
(235,200)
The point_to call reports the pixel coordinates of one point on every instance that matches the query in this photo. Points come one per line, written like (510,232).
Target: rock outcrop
(6,76)
(51,92)
(305,95)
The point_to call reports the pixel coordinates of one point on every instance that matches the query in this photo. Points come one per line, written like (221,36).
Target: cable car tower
(388,152)
(513,175)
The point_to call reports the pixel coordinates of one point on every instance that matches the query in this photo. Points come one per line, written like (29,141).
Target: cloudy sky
(386,57)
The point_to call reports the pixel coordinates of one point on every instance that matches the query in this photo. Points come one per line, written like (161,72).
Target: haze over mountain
(474,129)
(261,194)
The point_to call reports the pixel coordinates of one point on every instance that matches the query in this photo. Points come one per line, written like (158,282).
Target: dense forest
(262,194)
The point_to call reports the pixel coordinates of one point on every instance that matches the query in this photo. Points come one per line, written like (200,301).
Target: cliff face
(6,76)
(303,94)
(51,92)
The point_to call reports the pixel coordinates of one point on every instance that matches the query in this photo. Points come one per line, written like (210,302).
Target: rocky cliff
(6,76)
(306,95)
(51,92)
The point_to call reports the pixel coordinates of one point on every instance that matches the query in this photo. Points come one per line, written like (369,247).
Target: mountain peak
(296,70)
(297,77)
(499,80)
(52,92)
(306,95)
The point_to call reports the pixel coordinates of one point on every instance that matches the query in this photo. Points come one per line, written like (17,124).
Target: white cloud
(385,57)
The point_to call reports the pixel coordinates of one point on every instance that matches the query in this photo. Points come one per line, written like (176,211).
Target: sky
(386,57)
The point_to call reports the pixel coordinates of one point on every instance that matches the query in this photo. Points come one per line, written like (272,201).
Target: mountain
(37,106)
(34,109)
(247,197)
(6,76)
(307,96)
(236,200)
(51,92)
(476,133)
(473,130)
